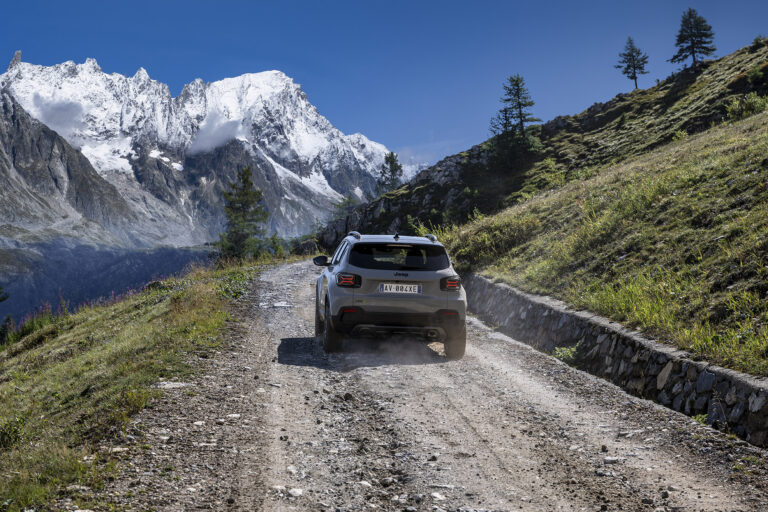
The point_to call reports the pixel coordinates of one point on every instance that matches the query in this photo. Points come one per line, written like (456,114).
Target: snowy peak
(266,110)
(172,156)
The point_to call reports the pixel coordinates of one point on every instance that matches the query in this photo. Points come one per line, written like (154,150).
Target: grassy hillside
(673,242)
(70,382)
(488,178)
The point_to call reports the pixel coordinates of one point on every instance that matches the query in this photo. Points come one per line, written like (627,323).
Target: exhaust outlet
(431,333)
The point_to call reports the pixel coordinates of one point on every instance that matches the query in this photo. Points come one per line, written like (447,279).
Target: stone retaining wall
(641,366)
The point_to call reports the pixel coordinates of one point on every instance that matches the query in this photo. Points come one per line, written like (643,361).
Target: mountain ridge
(128,126)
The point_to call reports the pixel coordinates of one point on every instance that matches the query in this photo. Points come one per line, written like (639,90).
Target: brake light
(348,280)
(450,284)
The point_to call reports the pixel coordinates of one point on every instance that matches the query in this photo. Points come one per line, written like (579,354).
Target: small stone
(604,449)
(279,488)
(672,488)
(647,501)
(296,492)
(364,483)
(348,396)
(386,482)
(665,494)
(233,416)
(433,457)
(437,496)
(612,460)
(291,470)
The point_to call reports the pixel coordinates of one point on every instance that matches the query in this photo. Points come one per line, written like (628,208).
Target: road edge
(731,400)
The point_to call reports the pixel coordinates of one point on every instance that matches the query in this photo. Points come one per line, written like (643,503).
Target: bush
(758,42)
(10,432)
(746,106)
(566,354)
(755,75)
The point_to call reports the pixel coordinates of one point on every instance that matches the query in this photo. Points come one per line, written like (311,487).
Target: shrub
(746,106)
(755,75)
(758,42)
(680,135)
(566,354)
(10,432)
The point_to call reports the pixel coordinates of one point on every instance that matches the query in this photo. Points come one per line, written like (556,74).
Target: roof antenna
(397,235)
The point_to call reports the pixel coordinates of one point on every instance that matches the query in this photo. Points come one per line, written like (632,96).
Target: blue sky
(422,77)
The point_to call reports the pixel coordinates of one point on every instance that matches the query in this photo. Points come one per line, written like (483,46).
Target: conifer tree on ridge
(694,38)
(632,61)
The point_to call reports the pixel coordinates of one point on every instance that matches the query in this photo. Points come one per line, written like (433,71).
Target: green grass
(70,383)
(673,242)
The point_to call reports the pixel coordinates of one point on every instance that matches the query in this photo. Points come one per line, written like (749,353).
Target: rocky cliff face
(64,229)
(431,193)
(48,186)
(169,158)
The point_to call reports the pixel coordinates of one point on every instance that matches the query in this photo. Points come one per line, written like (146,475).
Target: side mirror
(321,261)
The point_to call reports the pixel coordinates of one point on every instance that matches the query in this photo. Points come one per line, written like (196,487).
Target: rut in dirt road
(396,426)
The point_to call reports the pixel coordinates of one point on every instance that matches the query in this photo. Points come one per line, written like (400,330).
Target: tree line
(694,40)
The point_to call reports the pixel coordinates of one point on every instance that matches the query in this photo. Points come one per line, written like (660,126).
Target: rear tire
(456,343)
(331,339)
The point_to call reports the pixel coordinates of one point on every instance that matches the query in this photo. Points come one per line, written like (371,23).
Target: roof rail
(355,234)
(433,238)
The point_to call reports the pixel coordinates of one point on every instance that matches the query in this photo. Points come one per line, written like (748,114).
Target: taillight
(450,284)
(348,280)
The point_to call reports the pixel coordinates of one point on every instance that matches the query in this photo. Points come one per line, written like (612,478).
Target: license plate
(399,288)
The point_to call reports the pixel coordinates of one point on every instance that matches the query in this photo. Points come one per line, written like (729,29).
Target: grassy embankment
(69,383)
(673,242)
(575,148)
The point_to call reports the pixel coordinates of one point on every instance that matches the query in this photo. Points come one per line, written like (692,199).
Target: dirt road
(275,424)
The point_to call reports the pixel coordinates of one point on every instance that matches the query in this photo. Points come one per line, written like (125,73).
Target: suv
(375,285)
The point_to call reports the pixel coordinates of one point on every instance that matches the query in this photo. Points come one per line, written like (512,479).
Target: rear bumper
(359,322)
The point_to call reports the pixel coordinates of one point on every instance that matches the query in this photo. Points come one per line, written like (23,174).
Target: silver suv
(376,285)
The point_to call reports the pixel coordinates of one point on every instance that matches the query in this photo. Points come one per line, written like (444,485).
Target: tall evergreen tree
(245,216)
(3,295)
(515,112)
(632,61)
(694,38)
(390,174)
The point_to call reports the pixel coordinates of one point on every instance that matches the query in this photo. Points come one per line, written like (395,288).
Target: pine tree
(515,113)
(390,174)
(632,61)
(245,214)
(694,38)
(3,295)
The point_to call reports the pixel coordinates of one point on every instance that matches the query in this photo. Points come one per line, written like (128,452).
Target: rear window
(398,257)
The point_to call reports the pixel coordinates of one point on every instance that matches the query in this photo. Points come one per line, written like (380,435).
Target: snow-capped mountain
(170,157)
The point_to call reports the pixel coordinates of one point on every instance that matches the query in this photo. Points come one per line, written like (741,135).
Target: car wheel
(331,338)
(318,323)
(456,343)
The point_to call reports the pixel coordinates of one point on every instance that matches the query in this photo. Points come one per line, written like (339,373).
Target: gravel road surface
(272,423)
